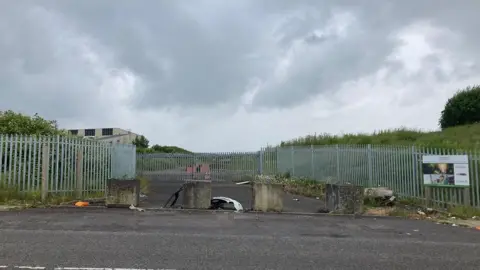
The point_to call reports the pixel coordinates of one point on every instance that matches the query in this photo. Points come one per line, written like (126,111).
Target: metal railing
(56,164)
(221,166)
(395,167)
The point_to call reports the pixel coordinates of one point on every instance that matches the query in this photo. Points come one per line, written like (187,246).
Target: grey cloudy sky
(213,75)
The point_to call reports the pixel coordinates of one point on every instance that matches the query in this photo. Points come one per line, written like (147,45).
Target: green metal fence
(396,167)
(241,166)
(56,164)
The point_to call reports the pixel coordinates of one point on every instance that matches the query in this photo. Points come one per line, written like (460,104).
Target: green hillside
(163,149)
(461,137)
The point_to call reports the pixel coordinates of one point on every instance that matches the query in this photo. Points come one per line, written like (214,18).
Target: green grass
(461,137)
(295,185)
(464,212)
(12,195)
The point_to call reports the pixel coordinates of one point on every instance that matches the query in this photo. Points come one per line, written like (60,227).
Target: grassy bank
(298,186)
(462,137)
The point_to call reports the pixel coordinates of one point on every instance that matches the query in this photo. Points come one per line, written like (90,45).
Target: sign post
(446,171)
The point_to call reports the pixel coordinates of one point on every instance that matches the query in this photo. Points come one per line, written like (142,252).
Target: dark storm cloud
(200,54)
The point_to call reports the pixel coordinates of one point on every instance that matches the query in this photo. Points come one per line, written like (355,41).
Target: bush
(462,109)
(17,123)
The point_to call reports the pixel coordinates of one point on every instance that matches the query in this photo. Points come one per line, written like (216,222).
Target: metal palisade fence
(57,164)
(233,166)
(395,167)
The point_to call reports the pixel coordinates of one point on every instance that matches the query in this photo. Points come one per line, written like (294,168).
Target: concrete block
(268,197)
(197,194)
(344,199)
(122,193)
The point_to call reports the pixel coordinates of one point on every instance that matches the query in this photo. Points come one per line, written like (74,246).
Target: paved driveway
(82,238)
(163,186)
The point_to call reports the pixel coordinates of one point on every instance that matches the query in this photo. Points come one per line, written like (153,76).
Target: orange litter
(478,228)
(81,204)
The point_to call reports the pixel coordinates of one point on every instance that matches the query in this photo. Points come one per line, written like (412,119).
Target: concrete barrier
(344,199)
(268,197)
(197,194)
(122,193)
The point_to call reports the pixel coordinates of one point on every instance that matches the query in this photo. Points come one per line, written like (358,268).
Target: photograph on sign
(449,171)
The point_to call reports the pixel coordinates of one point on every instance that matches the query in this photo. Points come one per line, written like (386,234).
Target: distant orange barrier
(202,169)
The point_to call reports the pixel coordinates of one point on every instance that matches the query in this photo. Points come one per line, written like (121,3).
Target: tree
(17,123)
(462,109)
(141,142)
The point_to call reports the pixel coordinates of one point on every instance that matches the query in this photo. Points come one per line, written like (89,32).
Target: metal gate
(164,174)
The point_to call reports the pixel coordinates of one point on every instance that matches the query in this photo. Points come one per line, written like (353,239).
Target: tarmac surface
(129,239)
(162,188)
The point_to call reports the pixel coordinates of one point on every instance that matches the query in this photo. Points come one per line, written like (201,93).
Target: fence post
(312,161)
(79,173)
(416,190)
(466,196)
(338,163)
(45,171)
(292,153)
(466,191)
(260,161)
(370,168)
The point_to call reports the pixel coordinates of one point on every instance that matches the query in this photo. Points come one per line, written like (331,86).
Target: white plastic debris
(243,183)
(238,206)
(296,199)
(421,213)
(132,207)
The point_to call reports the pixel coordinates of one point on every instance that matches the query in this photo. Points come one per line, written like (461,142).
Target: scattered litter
(296,199)
(81,204)
(421,213)
(454,225)
(474,217)
(416,230)
(478,228)
(318,198)
(143,195)
(408,233)
(132,207)
(452,217)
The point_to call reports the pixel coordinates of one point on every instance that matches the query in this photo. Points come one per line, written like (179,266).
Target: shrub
(462,109)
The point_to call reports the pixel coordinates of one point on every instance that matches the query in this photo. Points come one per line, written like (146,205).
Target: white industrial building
(112,135)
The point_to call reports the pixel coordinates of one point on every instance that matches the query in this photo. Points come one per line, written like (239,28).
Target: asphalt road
(114,238)
(163,186)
